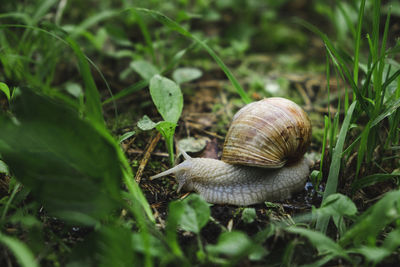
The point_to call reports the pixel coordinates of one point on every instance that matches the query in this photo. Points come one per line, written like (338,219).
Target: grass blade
(339,61)
(327,125)
(92,103)
(372,179)
(321,242)
(387,112)
(176,27)
(357,43)
(21,252)
(331,185)
(94,20)
(144,83)
(362,147)
(146,34)
(370,224)
(127,91)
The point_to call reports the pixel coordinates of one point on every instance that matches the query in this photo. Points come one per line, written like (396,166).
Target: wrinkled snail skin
(262,159)
(222,183)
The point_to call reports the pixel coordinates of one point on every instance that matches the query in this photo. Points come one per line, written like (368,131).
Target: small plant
(168,99)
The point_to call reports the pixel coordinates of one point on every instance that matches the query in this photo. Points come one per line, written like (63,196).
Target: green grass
(66,165)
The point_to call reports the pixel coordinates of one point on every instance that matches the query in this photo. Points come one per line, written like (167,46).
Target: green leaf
(4,88)
(69,165)
(191,144)
(167,130)
(231,244)
(196,214)
(3,167)
(95,19)
(92,97)
(145,69)
(146,33)
(126,136)
(393,105)
(373,254)
(321,242)
(108,246)
(362,148)
(115,247)
(157,247)
(74,89)
(331,185)
(358,41)
(373,220)
(176,27)
(373,179)
(26,220)
(377,254)
(236,245)
(126,91)
(167,97)
(146,124)
(338,206)
(175,211)
(392,241)
(183,75)
(144,83)
(249,215)
(21,252)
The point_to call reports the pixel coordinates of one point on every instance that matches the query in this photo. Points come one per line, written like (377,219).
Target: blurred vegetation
(75,75)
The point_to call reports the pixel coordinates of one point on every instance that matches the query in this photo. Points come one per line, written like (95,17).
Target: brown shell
(268,133)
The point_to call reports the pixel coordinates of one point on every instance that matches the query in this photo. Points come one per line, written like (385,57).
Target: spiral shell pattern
(268,134)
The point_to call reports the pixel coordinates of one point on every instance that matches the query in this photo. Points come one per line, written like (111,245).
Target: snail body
(262,160)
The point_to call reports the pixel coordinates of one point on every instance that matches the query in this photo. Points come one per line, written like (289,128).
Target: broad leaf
(167,97)
(196,214)
(145,123)
(373,221)
(145,69)
(4,88)
(338,206)
(236,245)
(191,144)
(3,167)
(69,165)
(249,215)
(108,246)
(183,75)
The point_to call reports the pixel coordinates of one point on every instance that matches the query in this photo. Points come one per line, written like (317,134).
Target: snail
(262,159)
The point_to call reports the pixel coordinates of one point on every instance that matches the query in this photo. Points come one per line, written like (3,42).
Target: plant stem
(6,207)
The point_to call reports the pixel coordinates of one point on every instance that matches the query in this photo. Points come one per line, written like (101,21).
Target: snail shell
(267,134)
(262,160)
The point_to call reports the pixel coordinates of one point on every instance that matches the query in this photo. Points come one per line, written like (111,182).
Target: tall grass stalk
(331,185)
(357,43)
